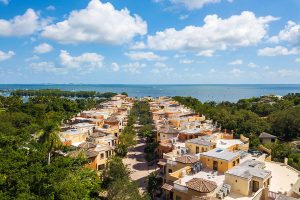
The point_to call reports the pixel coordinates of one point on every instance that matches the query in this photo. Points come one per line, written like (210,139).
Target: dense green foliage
(154,184)
(28,139)
(61,93)
(278,116)
(117,182)
(139,115)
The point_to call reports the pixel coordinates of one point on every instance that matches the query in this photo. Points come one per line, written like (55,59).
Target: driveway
(138,165)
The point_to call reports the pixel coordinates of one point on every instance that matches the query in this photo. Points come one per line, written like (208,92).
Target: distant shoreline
(203,92)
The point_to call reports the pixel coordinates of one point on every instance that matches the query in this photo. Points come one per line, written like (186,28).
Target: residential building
(219,159)
(248,177)
(267,138)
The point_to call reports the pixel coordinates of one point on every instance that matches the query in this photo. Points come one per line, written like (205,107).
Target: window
(197,149)
(236,181)
(102,155)
(101,167)
(178,197)
(170,171)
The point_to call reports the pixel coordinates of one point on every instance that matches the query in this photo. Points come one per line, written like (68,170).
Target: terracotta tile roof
(187,159)
(87,145)
(168,130)
(201,185)
(112,119)
(85,153)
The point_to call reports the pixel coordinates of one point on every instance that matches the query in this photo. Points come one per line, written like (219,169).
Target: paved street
(138,165)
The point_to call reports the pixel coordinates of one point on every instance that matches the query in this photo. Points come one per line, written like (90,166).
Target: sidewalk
(138,165)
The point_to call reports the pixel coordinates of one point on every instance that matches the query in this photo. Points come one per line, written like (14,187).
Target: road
(138,165)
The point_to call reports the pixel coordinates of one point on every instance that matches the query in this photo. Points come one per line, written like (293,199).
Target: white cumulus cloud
(186,61)
(216,34)
(86,60)
(161,68)
(236,72)
(291,33)
(51,8)
(20,25)
(115,67)
(236,62)
(253,65)
(6,55)
(43,48)
(47,67)
(206,53)
(134,68)
(99,22)
(193,4)
(277,51)
(84,63)
(143,55)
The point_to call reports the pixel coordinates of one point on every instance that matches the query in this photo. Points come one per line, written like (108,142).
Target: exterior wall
(175,122)
(223,165)
(102,157)
(238,185)
(93,163)
(267,140)
(192,148)
(73,138)
(163,149)
(244,147)
(164,136)
(184,137)
(174,167)
(244,186)
(227,136)
(188,194)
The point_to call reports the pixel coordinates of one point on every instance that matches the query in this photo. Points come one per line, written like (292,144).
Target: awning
(167,186)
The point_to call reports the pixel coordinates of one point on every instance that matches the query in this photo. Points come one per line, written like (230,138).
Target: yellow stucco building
(220,160)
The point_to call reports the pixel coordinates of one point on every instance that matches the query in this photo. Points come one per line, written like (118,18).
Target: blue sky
(150,41)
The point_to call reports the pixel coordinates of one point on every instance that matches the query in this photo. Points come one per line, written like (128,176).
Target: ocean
(204,92)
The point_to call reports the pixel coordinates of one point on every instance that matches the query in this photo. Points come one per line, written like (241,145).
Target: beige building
(199,145)
(74,136)
(248,177)
(266,138)
(220,160)
(166,132)
(190,183)
(174,163)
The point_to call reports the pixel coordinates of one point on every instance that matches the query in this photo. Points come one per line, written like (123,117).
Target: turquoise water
(202,92)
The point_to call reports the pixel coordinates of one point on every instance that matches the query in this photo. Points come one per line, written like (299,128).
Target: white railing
(258,194)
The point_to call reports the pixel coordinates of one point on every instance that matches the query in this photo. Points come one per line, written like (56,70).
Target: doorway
(255,186)
(215,165)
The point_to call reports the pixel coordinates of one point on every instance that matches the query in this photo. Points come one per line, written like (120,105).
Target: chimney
(225,131)
(232,132)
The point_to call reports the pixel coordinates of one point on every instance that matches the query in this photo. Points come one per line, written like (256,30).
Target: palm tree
(49,136)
